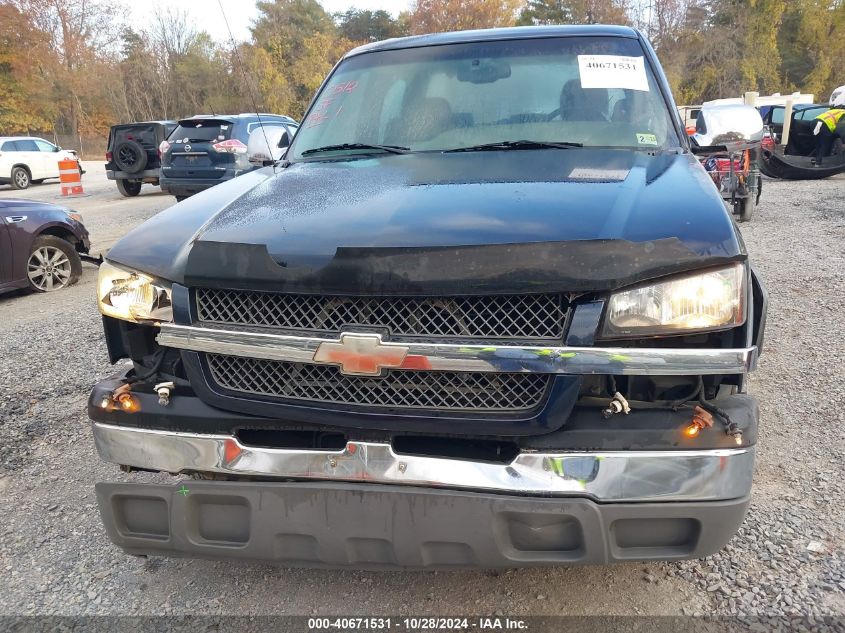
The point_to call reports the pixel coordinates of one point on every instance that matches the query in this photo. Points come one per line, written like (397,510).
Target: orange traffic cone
(70,178)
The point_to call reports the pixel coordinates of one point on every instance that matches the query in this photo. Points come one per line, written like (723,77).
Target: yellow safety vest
(831,118)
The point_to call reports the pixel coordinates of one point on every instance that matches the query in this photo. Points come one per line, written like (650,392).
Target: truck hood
(431,223)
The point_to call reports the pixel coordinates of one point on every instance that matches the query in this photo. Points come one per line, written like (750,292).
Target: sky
(240,13)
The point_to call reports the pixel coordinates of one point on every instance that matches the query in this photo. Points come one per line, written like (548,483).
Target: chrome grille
(453,391)
(490,317)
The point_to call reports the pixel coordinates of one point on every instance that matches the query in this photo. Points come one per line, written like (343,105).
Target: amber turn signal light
(701,419)
(692,430)
(128,402)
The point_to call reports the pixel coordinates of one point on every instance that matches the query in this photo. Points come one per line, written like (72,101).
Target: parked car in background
(41,245)
(796,161)
(802,141)
(204,151)
(486,313)
(760,101)
(689,114)
(25,160)
(132,157)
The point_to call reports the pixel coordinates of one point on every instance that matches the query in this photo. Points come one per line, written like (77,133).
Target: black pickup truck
(488,310)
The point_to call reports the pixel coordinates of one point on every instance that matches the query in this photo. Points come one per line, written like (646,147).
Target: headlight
(132,296)
(694,303)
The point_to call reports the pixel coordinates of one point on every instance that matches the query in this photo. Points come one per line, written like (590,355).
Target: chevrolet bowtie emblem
(361,354)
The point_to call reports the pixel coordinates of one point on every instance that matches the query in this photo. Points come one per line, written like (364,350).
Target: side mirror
(57,149)
(266,145)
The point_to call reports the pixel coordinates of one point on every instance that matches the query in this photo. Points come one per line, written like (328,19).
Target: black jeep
(133,156)
(488,310)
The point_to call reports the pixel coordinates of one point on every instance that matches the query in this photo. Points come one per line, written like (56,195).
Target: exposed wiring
(670,405)
(675,405)
(731,427)
(619,404)
(664,405)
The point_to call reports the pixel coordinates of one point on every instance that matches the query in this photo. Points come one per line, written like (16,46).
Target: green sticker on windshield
(646,139)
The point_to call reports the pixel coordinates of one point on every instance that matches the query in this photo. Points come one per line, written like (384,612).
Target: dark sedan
(41,246)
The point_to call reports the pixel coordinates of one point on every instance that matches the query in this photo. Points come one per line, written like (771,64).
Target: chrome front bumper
(476,357)
(617,476)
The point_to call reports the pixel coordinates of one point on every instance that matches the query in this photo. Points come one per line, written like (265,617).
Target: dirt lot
(787,558)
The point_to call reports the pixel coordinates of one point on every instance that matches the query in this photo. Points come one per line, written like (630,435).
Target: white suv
(27,159)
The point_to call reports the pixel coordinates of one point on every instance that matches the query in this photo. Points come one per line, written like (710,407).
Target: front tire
(53,264)
(129,188)
(20,178)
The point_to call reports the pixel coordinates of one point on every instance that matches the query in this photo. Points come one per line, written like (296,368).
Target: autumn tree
(663,21)
(257,75)
(290,22)
(175,44)
(170,70)
(200,75)
(537,12)
(138,96)
(432,16)
(302,41)
(82,36)
(368,26)
(573,12)
(761,61)
(812,45)
(25,62)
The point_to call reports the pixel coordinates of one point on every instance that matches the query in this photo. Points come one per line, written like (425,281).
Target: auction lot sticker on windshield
(612,71)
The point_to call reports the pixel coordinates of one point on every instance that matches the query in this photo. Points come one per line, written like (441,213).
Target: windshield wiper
(391,149)
(516,145)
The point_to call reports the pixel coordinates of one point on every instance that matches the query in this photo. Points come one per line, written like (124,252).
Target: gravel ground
(787,560)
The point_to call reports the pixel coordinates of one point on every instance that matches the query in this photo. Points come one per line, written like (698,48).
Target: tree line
(75,67)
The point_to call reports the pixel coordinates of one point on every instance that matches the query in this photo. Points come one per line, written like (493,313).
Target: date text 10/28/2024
(417,624)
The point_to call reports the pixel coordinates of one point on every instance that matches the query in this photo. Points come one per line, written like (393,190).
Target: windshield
(594,91)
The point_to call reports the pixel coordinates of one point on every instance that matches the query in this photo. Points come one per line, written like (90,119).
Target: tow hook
(163,389)
(617,405)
